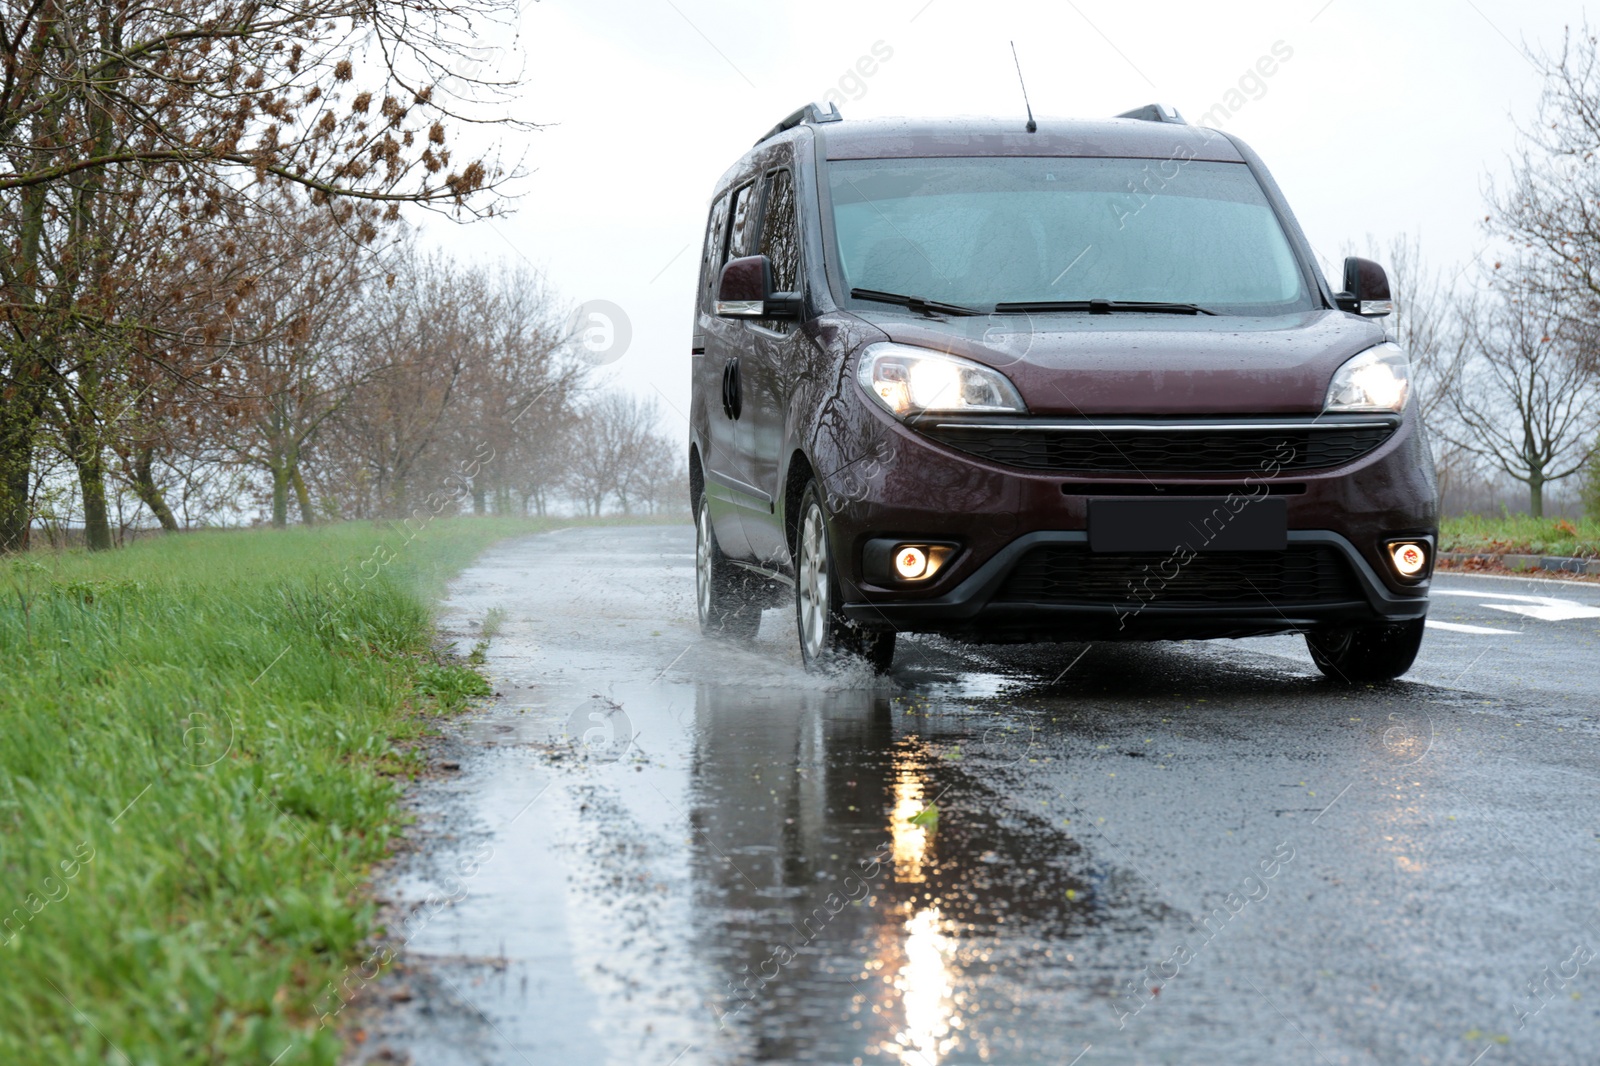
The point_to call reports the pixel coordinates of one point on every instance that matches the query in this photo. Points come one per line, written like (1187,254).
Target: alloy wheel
(813,586)
(702,564)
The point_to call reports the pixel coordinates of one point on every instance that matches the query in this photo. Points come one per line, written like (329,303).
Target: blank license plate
(1216,523)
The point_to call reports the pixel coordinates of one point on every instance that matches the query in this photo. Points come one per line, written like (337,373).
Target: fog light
(891,562)
(1409,559)
(910,561)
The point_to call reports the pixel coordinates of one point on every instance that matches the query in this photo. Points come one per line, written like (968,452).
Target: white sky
(1388,118)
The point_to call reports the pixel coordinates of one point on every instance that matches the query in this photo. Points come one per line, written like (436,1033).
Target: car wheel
(721,595)
(1366,653)
(825,634)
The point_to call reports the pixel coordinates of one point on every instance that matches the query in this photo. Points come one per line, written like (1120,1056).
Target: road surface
(663,850)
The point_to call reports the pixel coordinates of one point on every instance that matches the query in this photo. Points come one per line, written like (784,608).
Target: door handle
(732,398)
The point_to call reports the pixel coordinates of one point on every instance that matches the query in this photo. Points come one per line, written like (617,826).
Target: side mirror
(1366,289)
(745,291)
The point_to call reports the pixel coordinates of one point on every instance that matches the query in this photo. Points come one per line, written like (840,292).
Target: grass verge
(203,750)
(1521,535)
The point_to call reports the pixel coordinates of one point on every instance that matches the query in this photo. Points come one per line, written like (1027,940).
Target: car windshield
(1030,231)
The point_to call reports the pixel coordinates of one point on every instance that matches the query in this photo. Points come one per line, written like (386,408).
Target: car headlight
(910,381)
(1379,379)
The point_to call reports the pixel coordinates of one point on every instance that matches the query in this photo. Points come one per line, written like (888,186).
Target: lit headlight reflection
(925,978)
(927,991)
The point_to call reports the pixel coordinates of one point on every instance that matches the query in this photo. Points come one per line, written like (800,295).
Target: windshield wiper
(915,303)
(1102,307)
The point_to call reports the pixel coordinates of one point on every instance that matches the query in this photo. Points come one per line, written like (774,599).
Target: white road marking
(1458,627)
(1523,579)
(1550,612)
(1544,608)
(1499,596)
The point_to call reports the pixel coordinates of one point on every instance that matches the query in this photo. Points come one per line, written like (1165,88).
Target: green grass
(493,620)
(203,749)
(1521,535)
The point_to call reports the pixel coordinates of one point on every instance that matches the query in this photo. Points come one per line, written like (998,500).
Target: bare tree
(424,334)
(1551,207)
(614,451)
(1426,325)
(471,376)
(539,464)
(518,395)
(114,115)
(1528,399)
(663,476)
(302,367)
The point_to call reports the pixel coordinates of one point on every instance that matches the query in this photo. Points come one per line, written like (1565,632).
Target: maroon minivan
(1080,382)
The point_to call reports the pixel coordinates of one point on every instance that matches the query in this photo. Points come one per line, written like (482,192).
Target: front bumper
(913,487)
(973,611)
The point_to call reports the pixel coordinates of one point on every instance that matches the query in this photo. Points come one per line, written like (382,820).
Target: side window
(711,262)
(744,212)
(780,233)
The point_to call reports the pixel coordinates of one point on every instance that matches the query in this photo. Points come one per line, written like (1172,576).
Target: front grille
(1156,449)
(1072,574)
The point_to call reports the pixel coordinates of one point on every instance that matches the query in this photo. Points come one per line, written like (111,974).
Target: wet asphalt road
(664,850)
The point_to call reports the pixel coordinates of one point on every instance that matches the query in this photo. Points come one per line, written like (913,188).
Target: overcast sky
(1387,117)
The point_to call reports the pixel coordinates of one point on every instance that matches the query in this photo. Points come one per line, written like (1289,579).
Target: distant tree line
(209,301)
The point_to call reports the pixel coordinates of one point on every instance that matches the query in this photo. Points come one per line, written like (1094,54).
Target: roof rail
(811,113)
(1155,113)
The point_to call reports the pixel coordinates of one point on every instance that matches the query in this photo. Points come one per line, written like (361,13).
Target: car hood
(1076,364)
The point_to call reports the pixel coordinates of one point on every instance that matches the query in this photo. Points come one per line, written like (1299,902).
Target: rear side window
(711,262)
(780,233)
(744,205)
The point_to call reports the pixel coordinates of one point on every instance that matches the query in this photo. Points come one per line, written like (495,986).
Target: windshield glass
(977,232)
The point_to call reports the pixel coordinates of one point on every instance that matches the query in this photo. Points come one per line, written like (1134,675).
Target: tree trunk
(1536,496)
(89,451)
(302,497)
(21,405)
(478,496)
(90,462)
(280,496)
(16,463)
(141,477)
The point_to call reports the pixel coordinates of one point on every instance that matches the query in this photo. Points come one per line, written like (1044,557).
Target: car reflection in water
(846,931)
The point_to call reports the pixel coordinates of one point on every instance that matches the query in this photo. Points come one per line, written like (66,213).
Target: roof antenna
(1032,125)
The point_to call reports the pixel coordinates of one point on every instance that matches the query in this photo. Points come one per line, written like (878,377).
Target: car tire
(722,593)
(1363,654)
(825,634)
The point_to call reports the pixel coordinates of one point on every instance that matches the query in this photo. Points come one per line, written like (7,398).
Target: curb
(1566,564)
